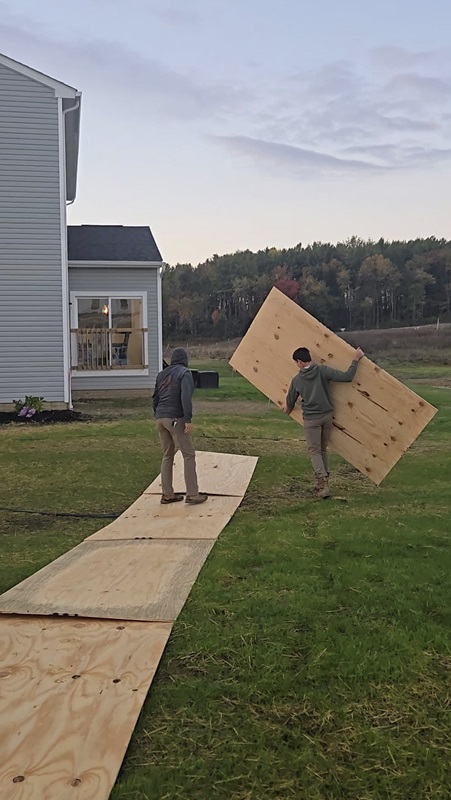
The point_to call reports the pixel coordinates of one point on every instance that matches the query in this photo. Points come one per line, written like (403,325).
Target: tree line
(351,285)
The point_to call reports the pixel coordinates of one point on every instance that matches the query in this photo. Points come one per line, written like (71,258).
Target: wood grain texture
(148,519)
(377,418)
(70,694)
(218,473)
(132,580)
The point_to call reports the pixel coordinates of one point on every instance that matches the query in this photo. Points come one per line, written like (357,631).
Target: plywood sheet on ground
(376,417)
(70,694)
(133,580)
(148,519)
(218,473)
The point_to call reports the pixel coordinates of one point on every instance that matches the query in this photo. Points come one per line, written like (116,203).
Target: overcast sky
(234,124)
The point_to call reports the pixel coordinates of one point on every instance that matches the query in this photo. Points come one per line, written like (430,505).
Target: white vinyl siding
(129,282)
(31,324)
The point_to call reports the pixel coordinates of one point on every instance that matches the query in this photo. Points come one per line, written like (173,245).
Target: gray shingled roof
(111,243)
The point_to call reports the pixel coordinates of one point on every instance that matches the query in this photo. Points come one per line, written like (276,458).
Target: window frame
(126,295)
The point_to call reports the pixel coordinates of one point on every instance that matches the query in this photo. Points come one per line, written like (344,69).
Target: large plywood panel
(376,417)
(218,473)
(133,580)
(148,519)
(70,694)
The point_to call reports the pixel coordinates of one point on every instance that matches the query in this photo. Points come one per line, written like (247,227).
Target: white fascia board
(60,89)
(116,264)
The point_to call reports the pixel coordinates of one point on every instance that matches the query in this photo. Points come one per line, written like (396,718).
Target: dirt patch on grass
(27,523)
(235,408)
(288,493)
(435,383)
(344,481)
(424,445)
(250,444)
(229,408)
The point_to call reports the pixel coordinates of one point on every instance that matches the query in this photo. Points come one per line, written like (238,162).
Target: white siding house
(104,332)
(115,297)
(39,120)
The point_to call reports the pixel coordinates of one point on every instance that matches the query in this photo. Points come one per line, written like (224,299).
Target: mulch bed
(42,418)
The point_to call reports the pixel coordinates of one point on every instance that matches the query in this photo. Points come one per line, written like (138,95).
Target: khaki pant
(317,433)
(172,438)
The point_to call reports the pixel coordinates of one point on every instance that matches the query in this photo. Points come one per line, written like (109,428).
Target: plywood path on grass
(70,694)
(71,690)
(218,473)
(133,580)
(376,419)
(148,519)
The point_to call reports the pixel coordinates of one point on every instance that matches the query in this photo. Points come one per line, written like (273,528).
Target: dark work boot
(176,498)
(196,499)
(323,488)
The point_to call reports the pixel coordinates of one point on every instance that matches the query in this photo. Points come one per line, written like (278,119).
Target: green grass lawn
(312,659)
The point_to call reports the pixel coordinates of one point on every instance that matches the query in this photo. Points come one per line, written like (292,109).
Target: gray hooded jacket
(172,398)
(312,386)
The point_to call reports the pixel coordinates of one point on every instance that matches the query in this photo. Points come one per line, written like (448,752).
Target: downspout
(160,315)
(68,343)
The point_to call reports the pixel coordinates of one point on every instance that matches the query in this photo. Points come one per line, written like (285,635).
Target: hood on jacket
(309,373)
(179,356)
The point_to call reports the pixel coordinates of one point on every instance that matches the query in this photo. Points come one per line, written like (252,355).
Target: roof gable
(60,89)
(112,243)
(70,102)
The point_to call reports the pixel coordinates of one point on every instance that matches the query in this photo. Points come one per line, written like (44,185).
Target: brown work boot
(195,500)
(176,498)
(322,485)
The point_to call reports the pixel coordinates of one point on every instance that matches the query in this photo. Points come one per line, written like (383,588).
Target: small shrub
(29,407)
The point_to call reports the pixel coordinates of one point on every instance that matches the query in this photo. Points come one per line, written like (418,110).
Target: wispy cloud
(393,58)
(298,159)
(349,117)
(113,65)
(390,111)
(177,17)
(425,89)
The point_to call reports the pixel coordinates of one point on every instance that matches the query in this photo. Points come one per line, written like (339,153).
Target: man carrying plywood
(311,385)
(376,418)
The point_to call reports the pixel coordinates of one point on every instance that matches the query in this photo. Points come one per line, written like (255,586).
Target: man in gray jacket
(172,405)
(311,385)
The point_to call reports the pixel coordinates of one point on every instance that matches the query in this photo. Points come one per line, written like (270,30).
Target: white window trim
(88,373)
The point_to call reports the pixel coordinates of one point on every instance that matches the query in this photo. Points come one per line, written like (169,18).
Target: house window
(108,332)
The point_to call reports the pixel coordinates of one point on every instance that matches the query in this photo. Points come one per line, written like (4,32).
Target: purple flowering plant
(26,409)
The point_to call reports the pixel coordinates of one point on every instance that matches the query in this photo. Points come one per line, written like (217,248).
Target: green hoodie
(312,386)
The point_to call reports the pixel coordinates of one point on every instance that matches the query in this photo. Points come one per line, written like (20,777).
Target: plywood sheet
(218,473)
(70,694)
(376,417)
(148,519)
(133,580)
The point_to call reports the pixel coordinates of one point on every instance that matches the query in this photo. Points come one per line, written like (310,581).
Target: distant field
(425,345)
(401,345)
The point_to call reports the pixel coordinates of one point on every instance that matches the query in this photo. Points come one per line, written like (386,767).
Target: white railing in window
(109,348)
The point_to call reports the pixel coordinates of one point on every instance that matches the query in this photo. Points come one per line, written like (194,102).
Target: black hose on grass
(83,515)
